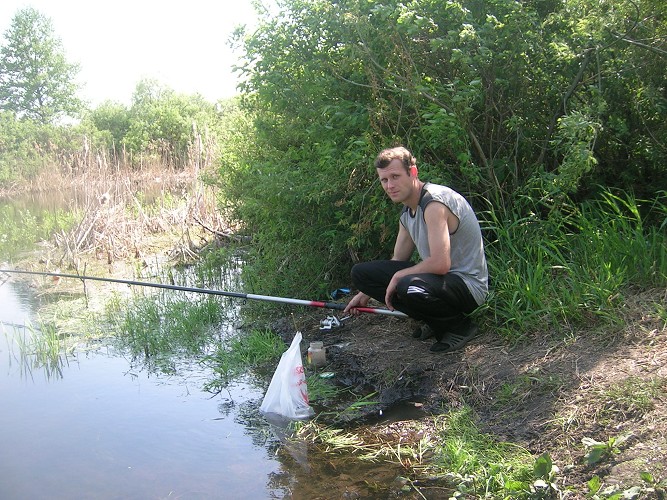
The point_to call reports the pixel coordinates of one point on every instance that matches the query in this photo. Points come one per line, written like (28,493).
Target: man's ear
(413,171)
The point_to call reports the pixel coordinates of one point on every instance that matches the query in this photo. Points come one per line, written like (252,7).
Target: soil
(544,393)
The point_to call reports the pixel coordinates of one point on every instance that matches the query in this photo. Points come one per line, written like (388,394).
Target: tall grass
(160,328)
(567,266)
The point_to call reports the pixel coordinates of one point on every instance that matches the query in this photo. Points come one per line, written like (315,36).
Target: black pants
(441,301)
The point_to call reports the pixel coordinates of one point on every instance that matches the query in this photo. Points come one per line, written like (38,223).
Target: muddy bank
(545,393)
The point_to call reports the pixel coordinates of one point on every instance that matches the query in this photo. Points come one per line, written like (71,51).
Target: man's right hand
(359,300)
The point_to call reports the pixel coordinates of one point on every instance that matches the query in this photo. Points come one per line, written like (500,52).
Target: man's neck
(413,202)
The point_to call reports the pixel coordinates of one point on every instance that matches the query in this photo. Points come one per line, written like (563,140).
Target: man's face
(396,181)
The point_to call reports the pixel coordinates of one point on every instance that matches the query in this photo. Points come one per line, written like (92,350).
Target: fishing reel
(332,322)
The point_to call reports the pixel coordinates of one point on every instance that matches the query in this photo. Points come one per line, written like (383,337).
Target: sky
(181,44)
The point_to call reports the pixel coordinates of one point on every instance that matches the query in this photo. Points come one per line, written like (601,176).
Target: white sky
(181,44)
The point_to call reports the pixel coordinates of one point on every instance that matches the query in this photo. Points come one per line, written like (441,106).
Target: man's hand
(391,288)
(359,300)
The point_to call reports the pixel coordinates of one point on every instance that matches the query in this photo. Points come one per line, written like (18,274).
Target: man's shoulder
(440,188)
(438,192)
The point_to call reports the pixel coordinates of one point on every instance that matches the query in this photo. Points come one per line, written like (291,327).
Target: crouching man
(451,278)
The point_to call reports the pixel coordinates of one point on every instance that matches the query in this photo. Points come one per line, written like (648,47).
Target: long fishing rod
(250,296)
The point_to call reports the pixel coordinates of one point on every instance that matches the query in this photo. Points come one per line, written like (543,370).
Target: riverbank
(595,403)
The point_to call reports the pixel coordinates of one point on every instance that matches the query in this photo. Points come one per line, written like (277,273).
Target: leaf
(543,466)
(594,455)
(540,484)
(594,484)
(590,442)
(648,477)
(633,492)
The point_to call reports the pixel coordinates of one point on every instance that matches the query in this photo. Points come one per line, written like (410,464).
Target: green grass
(40,347)
(241,353)
(565,266)
(161,327)
(321,390)
(477,461)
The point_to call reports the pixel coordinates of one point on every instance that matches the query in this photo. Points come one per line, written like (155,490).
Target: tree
(36,81)
(171,126)
(511,103)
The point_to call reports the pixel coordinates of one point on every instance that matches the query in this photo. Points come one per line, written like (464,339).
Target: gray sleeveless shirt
(467,247)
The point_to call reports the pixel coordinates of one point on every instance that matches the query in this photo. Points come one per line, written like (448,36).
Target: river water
(100,426)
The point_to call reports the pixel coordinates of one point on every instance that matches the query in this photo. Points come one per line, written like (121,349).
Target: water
(106,429)
(101,426)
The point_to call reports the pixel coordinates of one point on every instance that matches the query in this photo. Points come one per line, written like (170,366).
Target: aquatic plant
(240,353)
(40,347)
(157,328)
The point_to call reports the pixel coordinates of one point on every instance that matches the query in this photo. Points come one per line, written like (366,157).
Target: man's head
(397,170)
(400,153)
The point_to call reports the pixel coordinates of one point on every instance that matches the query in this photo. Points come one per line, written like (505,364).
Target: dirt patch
(546,394)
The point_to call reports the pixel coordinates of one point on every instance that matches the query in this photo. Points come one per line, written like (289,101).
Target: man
(451,279)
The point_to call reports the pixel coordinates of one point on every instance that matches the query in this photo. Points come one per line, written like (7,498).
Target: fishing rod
(250,296)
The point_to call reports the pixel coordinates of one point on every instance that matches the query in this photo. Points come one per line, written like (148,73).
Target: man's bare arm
(404,246)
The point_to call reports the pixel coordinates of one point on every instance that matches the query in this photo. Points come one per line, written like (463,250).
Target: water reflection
(149,190)
(111,428)
(106,424)
(16,301)
(99,433)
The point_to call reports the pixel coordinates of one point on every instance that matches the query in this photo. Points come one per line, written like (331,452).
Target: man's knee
(413,289)
(358,272)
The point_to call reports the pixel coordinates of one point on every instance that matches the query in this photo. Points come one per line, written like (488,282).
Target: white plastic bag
(287,394)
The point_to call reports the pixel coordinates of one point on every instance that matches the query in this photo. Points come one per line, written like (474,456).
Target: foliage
(113,119)
(36,81)
(21,149)
(545,473)
(167,124)
(565,264)
(160,126)
(547,115)
(477,462)
(597,451)
(37,89)
(527,108)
